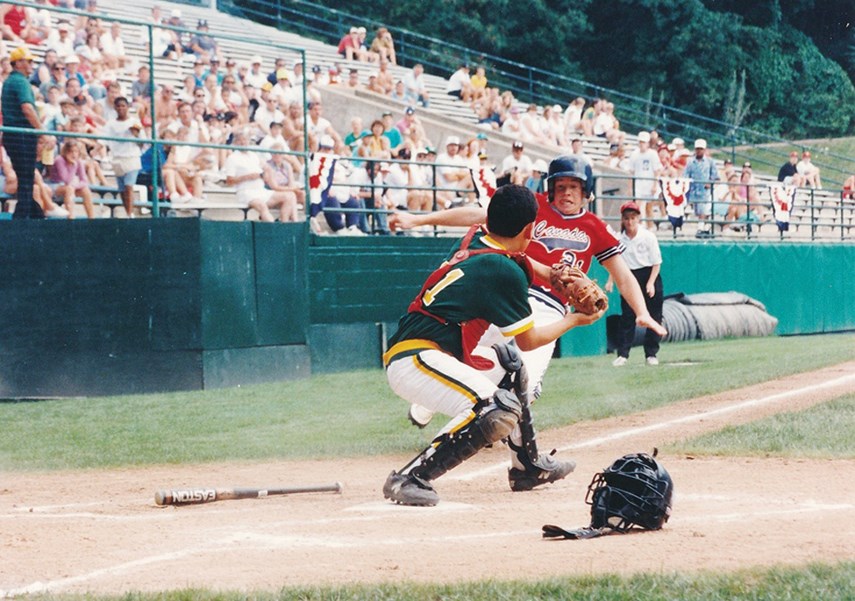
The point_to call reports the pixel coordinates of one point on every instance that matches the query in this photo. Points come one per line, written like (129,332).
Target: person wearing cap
(255,76)
(512,126)
(409,122)
(61,40)
(283,91)
(213,69)
(679,154)
(268,112)
(516,168)
(126,154)
(645,167)
(317,126)
(459,84)
(202,44)
(644,259)
(703,173)
(809,171)
(452,173)
(536,182)
(19,110)
(349,45)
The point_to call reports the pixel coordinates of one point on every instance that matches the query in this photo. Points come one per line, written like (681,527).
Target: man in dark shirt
(19,110)
(788,173)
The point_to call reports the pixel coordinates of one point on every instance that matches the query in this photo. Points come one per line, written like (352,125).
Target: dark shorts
(455,93)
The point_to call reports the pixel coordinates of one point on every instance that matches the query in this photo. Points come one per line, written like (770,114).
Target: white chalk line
(628,433)
(248,540)
(290,541)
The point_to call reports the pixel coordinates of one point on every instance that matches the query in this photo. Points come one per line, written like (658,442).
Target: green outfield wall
(127,306)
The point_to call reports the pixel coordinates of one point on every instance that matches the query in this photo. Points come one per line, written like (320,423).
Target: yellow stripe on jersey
(415,344)
(519,327)
(445,380)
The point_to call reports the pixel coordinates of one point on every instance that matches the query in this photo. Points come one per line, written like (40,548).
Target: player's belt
(406,348)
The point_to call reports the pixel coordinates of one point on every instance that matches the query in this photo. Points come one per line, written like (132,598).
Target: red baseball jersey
(571,239)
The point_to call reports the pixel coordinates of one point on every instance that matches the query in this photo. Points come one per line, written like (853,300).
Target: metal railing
(529,83)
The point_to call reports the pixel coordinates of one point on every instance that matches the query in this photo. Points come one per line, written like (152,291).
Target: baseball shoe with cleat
(545,470)
(406,489)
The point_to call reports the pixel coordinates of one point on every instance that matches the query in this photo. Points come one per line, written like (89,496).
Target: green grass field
(306,418)
(355,414)
(767,159)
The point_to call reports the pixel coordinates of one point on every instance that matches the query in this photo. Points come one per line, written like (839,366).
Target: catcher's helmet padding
(635,491)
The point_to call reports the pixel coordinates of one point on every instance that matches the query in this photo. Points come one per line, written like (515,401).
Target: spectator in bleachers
(50,109)
(164,42)
(376,145)
(349,45)
(352,82)
(452,173)
(589,114)
(279,177)
(809,171)
(140,88)
(166,106)
(536,182)
(788,174)
(459,84)
(41,20)
(533,127)
(273,76)
(318,126)
(187,175)
(669,169)
(17,25)
(126,154)
(728,169)
(409,122)
(644,165)
(293,126)
(617,158)
(573,116)
(680,155)
(396,140)
(367,54)
(214,96)
(516,167)
(235,98)
(726,205)
(283,91)
(91,50)
(485,115)
(68,174)
(244,172)
(94,152)
(702,171)
(848,192)
(202,44)
(42,74)
(374,85)
(396,179)
(752,210)
(399,93)
(577,146)
(512,125)
(478,84)
(385,79)
(553,126)
(182,39)
(113,47)
(72,70)
(267,113)
(275,138)
(61,40)
(255,76)
(415,90)
(384,46)
(213,69)
(353,140)
(82,100)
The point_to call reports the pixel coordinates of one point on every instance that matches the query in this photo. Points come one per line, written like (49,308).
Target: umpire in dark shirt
(19,110)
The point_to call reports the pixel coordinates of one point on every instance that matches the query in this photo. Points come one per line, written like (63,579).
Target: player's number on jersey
(447,280)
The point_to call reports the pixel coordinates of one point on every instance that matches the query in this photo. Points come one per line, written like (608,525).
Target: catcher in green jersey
(431,359)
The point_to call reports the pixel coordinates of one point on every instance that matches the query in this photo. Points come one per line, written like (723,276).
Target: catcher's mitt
(577,289)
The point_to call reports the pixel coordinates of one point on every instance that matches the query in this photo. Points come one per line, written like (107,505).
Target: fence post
(155,158)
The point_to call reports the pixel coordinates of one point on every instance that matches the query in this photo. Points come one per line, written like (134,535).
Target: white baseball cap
(540,166)
(643,136)
(700,143)
(452,140)
(326,142)
(256,58)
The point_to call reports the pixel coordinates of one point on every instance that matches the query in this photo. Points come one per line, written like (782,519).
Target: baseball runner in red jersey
(564,231)
(432,360)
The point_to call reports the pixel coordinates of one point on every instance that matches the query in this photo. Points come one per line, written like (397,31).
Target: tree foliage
(685,51)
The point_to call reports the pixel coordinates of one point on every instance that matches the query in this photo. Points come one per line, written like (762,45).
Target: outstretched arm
(462,216)
(540,335)
(631,292)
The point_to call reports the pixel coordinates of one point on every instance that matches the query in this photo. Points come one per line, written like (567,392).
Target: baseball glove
(577,289)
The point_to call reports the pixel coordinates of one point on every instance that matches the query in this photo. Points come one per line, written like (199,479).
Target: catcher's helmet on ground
(635,491)
(567,165)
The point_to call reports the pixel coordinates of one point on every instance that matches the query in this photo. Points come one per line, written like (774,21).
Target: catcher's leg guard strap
(528,452)
(495,422)
(517,379)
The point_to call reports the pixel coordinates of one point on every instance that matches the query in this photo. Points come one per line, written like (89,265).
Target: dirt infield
(100,531)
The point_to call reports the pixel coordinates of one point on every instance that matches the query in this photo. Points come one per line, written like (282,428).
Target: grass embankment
(355,413)
(768,158)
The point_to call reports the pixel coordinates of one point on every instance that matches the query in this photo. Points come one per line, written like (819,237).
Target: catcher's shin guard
(537,469)
(495,422)
(517,377)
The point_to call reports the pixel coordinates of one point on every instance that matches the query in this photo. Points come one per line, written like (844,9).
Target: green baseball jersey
(16,91)
(488,288)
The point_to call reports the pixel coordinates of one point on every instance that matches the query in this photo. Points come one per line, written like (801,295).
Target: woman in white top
(642,255)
